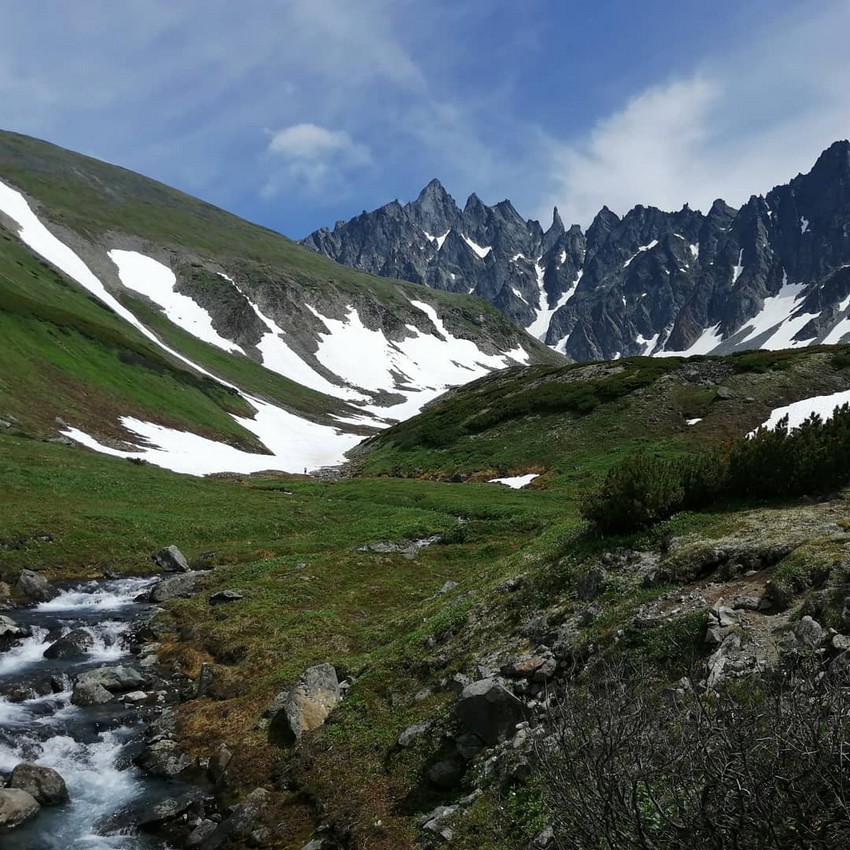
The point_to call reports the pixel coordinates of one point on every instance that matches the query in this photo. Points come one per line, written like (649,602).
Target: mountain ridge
(651,282)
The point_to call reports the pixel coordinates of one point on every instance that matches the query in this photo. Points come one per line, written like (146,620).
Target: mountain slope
(309,356)
(774,274)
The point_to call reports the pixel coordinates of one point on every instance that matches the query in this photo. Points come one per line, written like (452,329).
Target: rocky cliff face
(773,274)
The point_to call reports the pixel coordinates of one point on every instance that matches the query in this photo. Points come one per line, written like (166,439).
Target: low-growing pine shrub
(771,464)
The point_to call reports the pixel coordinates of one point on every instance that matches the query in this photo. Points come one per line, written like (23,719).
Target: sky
(298,113)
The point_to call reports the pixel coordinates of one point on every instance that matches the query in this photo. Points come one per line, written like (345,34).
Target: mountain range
(773,274)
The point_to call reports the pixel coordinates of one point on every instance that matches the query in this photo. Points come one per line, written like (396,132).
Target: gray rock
(154,816)
(76,643)
(723,616)
(590,585)
(177,587)
(224,596)
(35,587)
(11,632)
(544,840)
(724,393)
(241,822)
(171,560)
(487,709)
(746,603)
(206,677)
(16,806)
(448,587)
(413,733)
(44,784)
(808,633)
(306,706)
(90,693)
(115,679)
(163,758)
(445,774)
(468,746)
(219,763)
(840,643)
(315,844)
(201,833)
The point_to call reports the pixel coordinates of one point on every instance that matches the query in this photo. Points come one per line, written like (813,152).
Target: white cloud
(733,127)
(313,156)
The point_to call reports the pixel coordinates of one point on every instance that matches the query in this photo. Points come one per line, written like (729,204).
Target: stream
(91,747)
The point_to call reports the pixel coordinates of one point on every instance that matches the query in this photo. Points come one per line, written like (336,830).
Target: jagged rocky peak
(648,282)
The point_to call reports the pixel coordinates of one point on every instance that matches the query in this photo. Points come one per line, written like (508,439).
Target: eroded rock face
(16,807)
(306,706)
(489,711)
(44,784)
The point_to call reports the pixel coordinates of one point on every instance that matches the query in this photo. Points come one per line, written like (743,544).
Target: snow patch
(694,246)
(517,482)
(804,224)
(156,281)
(647,345)
(540,323)
(437,240)
(692,421)
(776,309)
(799,411)
(482,252)
(641,250)
(708,340)
(738,268)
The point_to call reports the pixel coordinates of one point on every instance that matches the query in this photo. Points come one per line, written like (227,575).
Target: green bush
(777,463)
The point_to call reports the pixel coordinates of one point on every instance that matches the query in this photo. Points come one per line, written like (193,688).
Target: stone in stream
(177,587)
(90,693)
(43,783)
(16,806)
(163,758)
(11,632)
(306,706)
(241,822)
(76,643)
(171,560)
(114,679)
(34,587)
(151,817)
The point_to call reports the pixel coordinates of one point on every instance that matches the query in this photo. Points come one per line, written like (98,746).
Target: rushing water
(91,747)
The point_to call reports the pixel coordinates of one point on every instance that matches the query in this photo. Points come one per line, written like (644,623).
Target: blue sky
(296,113)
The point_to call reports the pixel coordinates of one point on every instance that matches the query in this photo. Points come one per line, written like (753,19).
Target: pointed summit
(604,222)
(434,210)
(557,223)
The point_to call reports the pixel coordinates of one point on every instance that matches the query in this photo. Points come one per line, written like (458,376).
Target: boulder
(11,632)
(200,833)
(44,784)
(90,693)
(151,817)
(808,633)
(163,758)
(115,679)
(171,560)
(6,603)
(16,806)
(487,709)
(413,733)
(76,643)
(446,774)
(241,822)
(34,587)
(306,706)
(177,587)
(225,596)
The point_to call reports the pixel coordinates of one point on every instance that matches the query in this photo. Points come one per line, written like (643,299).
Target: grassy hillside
(316,591)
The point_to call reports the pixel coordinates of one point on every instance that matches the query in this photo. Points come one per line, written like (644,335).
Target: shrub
(777,463)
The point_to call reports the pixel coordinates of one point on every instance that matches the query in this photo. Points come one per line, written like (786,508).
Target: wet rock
(177,587)
(90,693)
(225,596)
(171,560)
(115,679)
(76,643)
(306,706)
(44,784)
(11,632)
(135,697)
(200,833)
(487,709)
(163,758)
(151,817)
(34,587)
(16,807)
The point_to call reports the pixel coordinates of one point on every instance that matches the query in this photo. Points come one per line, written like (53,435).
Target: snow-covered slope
(377,355)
